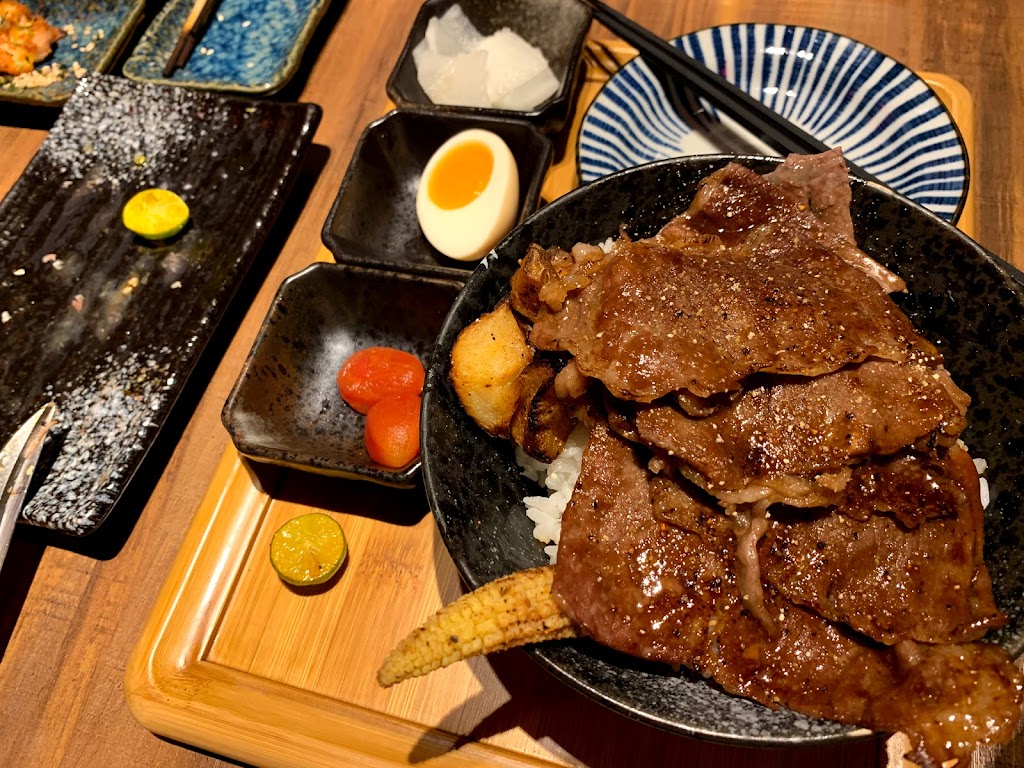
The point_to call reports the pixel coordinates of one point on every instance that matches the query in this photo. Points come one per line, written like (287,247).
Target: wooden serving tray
(235,662)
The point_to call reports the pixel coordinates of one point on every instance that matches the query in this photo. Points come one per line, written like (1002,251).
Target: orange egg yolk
(461,175)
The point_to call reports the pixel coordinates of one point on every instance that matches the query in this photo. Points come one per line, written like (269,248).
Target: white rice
(981,465)
(559,477)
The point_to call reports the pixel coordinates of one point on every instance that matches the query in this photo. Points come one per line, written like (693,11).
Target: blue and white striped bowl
(886,119)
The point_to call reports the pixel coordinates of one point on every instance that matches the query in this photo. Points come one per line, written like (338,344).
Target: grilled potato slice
(487,359)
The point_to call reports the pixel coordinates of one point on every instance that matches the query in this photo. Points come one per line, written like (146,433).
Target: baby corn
(514,610)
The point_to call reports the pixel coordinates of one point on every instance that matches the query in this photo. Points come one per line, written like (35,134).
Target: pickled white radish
(456,65)
(511,63)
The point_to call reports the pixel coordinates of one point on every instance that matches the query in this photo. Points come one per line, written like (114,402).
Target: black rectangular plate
(103,322)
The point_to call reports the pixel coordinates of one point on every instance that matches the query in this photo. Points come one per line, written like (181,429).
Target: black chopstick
(195,26)
(767,124)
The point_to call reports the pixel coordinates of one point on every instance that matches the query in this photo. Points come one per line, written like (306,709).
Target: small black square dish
(285,407)
(373,220)
(556,27)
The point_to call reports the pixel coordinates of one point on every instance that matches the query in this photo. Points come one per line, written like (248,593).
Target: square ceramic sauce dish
(373,221)
(250,46)
(556,27)
(285,407)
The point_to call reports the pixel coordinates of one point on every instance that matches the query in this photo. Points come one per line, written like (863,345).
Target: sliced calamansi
(155,214)
(308,549)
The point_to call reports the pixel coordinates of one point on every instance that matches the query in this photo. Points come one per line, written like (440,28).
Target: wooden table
(71,611)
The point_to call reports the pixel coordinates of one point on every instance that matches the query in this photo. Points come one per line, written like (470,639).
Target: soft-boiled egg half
(468,195)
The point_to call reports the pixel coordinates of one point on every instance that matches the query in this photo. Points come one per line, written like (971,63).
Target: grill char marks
(623,577)
(803,195)
(819,184)
(774,441)
(901,558)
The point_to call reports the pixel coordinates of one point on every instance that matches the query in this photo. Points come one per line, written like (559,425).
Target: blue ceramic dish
(886,119)
(250,46)
(95,33)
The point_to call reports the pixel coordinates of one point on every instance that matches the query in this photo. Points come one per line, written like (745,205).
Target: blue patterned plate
(886,119)
(251,46)
(94,34)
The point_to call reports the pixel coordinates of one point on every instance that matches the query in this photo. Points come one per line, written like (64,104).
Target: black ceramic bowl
(960,296)
(285,408)
(373,221)
(557,27)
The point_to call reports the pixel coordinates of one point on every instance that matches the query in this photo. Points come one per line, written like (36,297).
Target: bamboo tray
(234,662)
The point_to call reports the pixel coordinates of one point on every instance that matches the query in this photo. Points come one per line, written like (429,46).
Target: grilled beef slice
(772,441)
(819,184)
(901,559)
(735,201)
(665,593)
(653,318)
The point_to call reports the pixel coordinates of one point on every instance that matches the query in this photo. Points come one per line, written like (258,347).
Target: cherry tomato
(392,432)
(374,373)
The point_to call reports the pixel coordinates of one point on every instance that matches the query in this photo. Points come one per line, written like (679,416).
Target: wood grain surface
(71,611)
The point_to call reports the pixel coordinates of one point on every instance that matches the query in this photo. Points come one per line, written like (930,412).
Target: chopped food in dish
(468,195)
(308,549)
(773,491)
(392,432)
(26,38)
(384,384)
(155,214)
(374,373)
(457,65)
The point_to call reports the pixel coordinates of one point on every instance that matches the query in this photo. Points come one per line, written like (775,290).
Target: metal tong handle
(17,463)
